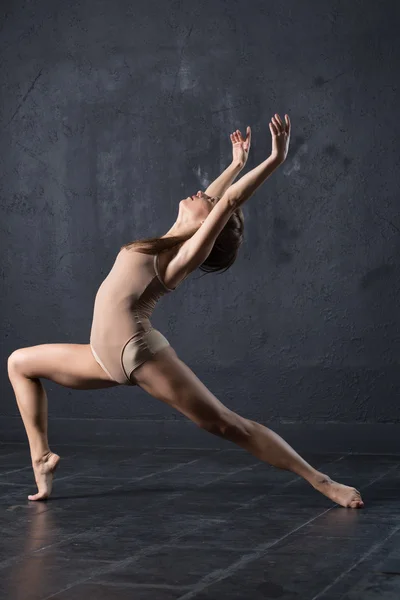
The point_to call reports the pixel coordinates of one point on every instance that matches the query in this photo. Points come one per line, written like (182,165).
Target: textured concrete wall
(112,112)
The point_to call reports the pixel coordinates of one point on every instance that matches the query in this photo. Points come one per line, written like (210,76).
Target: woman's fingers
(236,136)
(277,124)
(277,127)
(248,136)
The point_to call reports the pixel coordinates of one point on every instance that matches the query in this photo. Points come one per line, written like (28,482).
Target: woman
(125,349)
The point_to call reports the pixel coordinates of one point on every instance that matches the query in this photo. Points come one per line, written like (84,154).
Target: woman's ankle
(320,479)
(40,457)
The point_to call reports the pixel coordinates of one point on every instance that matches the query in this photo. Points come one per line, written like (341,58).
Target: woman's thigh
(70,365)
(167,378)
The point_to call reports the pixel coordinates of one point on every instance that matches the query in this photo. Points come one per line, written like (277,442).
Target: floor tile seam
(12,483)
(203,449)
(167,419)
(141,586)
(374,454)
(373,549)
(248,549)
(192,462)
(134,479)
(392,468)
(210,580)
(200,486)
(169,470)
(15,454)
(209,546)
(15,471)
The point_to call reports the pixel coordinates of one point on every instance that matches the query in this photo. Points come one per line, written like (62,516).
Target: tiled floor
(164,524)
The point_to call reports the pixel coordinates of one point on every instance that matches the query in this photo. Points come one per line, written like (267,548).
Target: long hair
(222,255)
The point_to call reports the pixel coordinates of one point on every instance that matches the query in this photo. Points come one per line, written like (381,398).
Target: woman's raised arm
(241,191)
(240,154)
(218,187)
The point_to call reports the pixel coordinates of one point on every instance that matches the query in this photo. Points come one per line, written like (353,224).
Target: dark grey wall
(112,112)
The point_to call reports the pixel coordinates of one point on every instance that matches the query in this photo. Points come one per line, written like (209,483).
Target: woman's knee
(230,426)
(16,361)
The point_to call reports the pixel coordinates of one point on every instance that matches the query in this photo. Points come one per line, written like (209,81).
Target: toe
(38,496)
(357,503)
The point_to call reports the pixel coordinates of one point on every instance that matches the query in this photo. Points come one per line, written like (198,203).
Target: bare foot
(344,495)
(44,473)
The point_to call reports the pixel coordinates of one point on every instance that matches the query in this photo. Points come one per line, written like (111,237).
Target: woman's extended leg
(169,379)
(70,365)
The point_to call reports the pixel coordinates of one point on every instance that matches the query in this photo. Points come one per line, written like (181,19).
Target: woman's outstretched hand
(240,147)
(280,136)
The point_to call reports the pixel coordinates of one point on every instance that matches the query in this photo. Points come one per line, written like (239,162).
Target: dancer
(125,349)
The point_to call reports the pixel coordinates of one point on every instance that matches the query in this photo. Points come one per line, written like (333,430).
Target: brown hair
(221,257)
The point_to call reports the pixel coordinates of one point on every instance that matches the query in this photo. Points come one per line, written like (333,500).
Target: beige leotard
(122,337)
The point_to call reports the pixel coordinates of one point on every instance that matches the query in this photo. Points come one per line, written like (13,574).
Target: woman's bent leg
(70,365)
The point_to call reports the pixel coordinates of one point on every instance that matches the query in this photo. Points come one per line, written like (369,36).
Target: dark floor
(165,524)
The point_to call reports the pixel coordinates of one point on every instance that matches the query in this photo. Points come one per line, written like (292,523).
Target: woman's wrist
(237,165)
(276,158)
(225,180)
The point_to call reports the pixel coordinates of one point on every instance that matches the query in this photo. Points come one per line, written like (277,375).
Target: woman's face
(197,207)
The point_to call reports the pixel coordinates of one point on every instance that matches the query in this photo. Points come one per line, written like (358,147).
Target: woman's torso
(126,298)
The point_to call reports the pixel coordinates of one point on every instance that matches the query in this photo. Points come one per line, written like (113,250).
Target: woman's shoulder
(135,256)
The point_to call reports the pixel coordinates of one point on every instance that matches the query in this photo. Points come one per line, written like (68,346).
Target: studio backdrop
(112,113)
